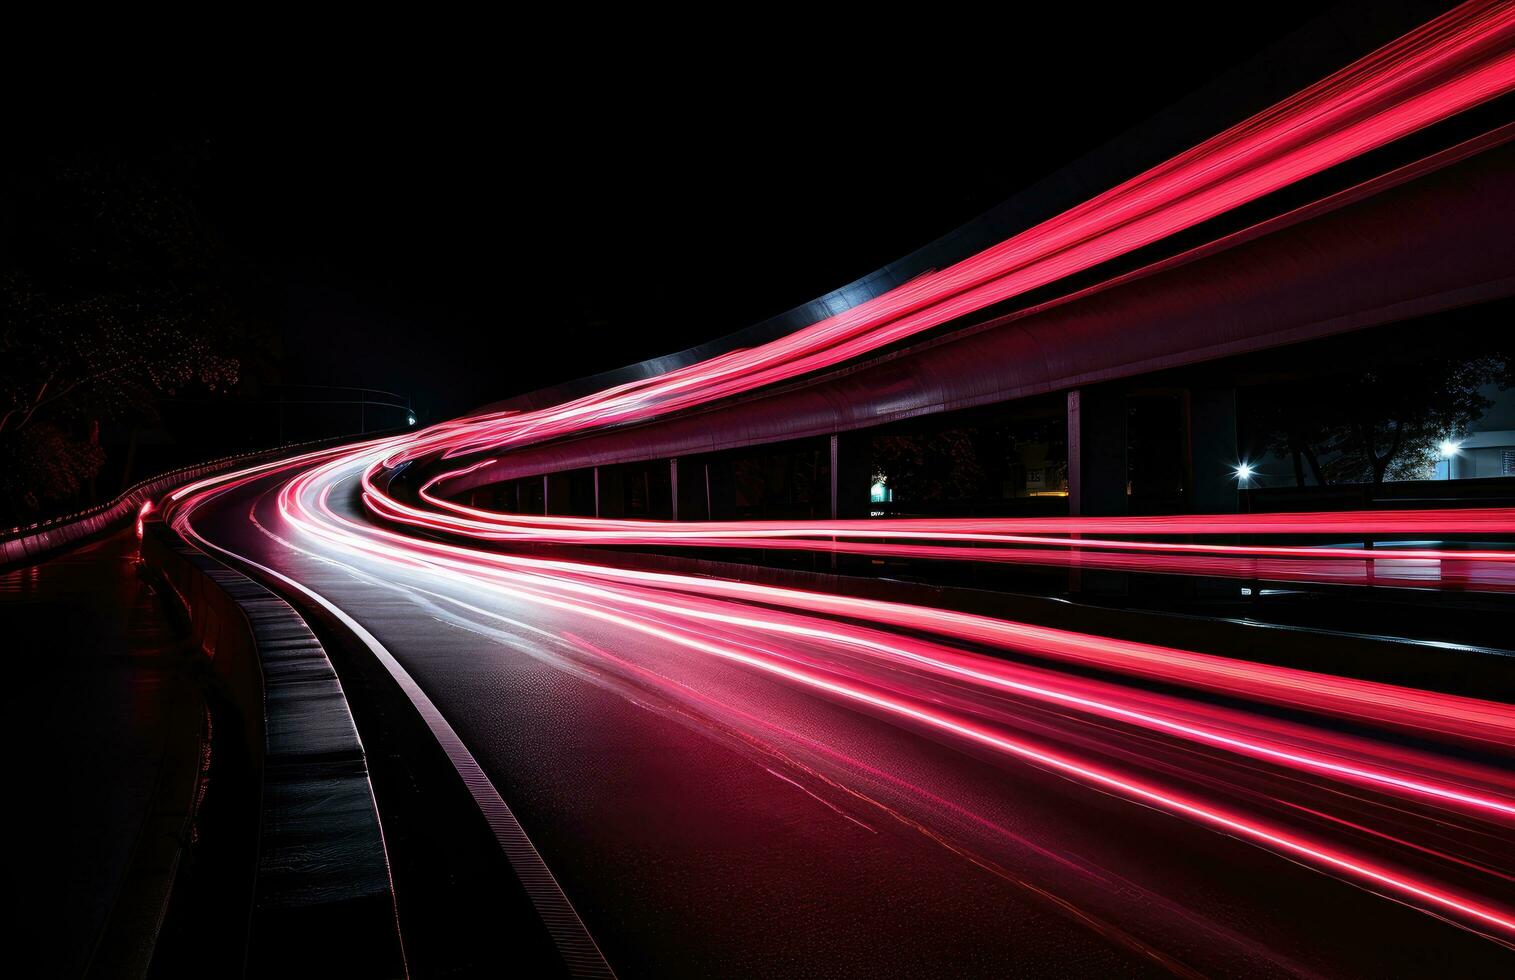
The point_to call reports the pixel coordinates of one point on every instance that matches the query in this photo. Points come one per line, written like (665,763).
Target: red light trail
(966,540)
(1451,64)
(814,641)
(1456,61)
(1377,784)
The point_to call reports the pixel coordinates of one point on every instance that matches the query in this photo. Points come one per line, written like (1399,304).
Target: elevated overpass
(727,767)
(1391,230)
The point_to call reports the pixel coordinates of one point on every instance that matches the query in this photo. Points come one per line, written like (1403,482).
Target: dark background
(467,232)
(467,214)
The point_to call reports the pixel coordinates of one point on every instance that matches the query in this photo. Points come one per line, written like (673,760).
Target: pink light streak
(926,669)
(685,601)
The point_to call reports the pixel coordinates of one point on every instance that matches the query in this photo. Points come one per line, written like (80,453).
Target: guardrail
(34,542)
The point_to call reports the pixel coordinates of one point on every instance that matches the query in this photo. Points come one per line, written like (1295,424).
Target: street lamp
(1243,472)
(1449,448)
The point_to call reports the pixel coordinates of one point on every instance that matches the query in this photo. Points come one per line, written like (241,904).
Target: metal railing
(32,542)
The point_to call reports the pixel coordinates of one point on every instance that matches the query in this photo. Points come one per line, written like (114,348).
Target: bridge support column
(1097,472)
(836,458)
(557,494)
(1213,455)
(851,469)
(1096,452)
(850,475)
(1213,452)
(610,491)
(673,487)
(691,490)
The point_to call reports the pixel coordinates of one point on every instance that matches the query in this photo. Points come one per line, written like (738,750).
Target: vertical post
(1213,451)
(596,491)
(709,508)
(673,484)
(1075,477)
(1098,471)
(546,497)
(1075,454)
(1097,465)
(836,499)
(851,474)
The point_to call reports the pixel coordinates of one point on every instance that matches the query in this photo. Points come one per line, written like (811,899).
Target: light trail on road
(1458,60)
(1275,782)
(984,751)
(1455,62)
(985,540)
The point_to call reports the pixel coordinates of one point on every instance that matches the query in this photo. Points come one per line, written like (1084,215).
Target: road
(729,778)
(731,783)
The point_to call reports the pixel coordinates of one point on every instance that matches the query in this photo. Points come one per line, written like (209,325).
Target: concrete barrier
(320,901)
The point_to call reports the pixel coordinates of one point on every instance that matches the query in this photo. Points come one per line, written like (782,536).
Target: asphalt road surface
(727,788)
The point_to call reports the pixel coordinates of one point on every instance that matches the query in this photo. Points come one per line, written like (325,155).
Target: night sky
(464,231)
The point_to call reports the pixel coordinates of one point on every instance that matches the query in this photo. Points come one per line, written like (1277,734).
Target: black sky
(464,228)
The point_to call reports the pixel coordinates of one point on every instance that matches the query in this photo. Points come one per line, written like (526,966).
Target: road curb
(321,902)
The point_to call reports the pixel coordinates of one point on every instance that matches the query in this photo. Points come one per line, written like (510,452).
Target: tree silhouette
(1384,422)
(112,295)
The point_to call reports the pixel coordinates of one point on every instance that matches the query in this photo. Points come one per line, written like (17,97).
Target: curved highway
(730,779)
(719,777)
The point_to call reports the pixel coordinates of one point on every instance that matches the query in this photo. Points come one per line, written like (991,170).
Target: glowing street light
(1243,473)
(410,420)
(1448,449)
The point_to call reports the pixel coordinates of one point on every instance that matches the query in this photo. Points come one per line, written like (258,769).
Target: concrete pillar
(691,487)
(596,491)
(1097,470)
(557,493)
(1213,452)
(850,474)
(835,470)
(1097,473)
(673,487)
(612,491)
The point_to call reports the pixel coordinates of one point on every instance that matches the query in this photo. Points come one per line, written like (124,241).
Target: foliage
(936,467)
(48,459)
(112,296)
(1384,422)
(962,465)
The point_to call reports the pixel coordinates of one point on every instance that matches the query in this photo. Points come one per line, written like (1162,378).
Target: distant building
(1488,447)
